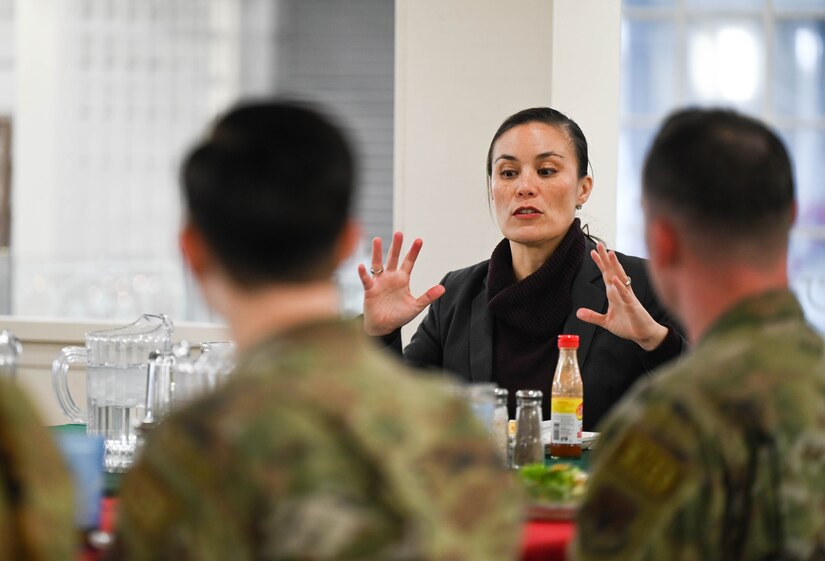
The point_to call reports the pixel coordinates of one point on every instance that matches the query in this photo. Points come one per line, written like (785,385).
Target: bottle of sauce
(566,402)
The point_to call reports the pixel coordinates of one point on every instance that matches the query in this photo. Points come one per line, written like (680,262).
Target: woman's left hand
(625,317)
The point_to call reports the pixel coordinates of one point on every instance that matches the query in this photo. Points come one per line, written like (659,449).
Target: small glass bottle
(529,448)
(567,402)
(500,431)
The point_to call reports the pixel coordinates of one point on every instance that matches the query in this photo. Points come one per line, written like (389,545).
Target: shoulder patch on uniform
(649,467)
(605,520)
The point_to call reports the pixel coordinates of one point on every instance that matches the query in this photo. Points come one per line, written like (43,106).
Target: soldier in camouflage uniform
(722,456)
(36,500)
(319,447)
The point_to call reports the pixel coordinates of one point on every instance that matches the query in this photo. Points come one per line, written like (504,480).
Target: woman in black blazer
(498,320)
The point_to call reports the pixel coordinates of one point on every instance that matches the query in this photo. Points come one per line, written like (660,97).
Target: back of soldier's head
(726,177)
(269,190)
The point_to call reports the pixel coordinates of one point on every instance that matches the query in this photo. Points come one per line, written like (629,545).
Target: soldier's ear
(215,286)
(664,244)
(195,252)
(347,241)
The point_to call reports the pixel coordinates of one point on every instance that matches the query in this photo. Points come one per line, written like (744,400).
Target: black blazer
(457,334)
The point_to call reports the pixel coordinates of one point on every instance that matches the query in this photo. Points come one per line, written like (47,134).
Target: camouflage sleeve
(478,506)
(297,488)
(303,486)
(197,495)
(36,499)
(647,498)
(157,514)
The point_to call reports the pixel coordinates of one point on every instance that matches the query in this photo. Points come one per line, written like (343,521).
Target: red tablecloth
(107,514)
(547,540)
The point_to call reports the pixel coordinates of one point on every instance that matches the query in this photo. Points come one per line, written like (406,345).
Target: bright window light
(725,63)
(808,49)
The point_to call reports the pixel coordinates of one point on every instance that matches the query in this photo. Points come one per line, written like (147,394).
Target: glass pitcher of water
(176,379)
(116,365)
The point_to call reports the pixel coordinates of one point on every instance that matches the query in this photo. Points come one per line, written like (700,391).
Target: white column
(34,118)
(586,64)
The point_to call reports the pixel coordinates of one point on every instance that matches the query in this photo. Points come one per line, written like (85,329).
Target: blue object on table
(84,456)
(111,481)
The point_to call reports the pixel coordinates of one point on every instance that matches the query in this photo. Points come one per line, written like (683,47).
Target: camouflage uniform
(723,455)
(36,500)
(320,447)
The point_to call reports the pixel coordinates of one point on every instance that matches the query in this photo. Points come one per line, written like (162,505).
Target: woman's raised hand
(625,317)
(388,302)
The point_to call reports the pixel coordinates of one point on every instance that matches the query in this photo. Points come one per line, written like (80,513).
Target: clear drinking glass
(10,351)
(174,378)
(160,388)
(482,399)
(193,377)
(500,432)
(216,361)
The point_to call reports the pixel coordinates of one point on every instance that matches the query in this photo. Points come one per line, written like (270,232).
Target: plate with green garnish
(554,491)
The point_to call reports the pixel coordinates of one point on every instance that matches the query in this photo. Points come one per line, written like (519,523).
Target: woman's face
(535,185)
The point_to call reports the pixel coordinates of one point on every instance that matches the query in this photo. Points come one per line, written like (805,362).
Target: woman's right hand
(388,302)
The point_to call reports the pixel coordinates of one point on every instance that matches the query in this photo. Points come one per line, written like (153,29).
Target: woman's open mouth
(526,212)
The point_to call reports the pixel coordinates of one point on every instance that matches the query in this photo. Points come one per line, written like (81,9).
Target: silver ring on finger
(377,271)
(627,282)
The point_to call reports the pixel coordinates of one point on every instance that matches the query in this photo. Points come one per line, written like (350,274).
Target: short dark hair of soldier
(270,190)
(727,176)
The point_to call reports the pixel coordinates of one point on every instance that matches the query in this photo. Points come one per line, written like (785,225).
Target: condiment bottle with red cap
(567,402)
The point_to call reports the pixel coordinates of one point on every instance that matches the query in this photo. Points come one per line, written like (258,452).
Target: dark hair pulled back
(550,117)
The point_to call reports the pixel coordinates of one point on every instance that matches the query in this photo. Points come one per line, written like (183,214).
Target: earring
(578,207)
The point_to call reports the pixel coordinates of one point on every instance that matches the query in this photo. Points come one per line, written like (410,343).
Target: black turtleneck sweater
(529,315)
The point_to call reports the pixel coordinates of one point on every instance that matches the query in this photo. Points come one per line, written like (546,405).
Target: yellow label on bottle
(566,405)
(566,420)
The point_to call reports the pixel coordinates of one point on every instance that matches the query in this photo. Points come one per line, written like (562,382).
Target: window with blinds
(341,54)
(130,84)
(762,57)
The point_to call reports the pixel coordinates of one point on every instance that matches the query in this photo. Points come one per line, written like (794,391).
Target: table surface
(543,540)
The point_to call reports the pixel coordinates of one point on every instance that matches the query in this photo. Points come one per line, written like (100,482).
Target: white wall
(585,78)
(101,121)
(35,118)
(463,66)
